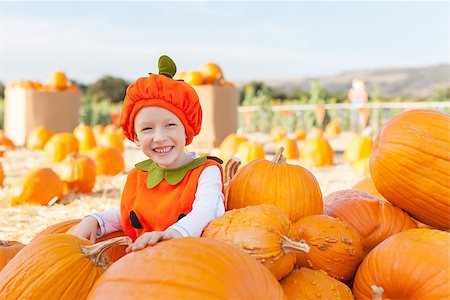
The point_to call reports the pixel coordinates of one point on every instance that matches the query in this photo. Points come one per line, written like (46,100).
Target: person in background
(174,193)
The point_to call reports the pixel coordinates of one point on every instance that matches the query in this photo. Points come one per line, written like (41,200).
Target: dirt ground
(21,223)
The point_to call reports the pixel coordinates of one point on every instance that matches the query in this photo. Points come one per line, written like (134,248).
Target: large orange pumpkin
(335,247)
(262,231)
(8,249)
(291,188)
(374,219)
(37,138)
(58,266)
(39,186)
(305,283)
(187,268)
(410,165)
(413,264)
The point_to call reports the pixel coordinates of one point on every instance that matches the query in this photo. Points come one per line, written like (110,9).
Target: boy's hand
(151,238)
(86,229)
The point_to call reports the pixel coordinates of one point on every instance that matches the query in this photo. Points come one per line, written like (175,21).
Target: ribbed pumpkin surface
(291,188)
(375,220)
(413,264)
(410,165)
(188,268)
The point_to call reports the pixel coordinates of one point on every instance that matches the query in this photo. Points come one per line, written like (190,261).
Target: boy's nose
(159,135)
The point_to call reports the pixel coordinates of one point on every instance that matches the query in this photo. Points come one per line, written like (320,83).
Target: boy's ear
(136,140)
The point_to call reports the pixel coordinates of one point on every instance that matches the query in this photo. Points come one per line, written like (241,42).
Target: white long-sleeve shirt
(208,205)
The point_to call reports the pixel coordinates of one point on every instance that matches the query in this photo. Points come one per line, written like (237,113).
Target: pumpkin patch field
(308,216)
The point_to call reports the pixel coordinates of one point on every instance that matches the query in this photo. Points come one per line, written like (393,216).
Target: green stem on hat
(167,66)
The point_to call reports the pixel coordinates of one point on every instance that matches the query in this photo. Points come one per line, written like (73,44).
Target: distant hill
(407,82)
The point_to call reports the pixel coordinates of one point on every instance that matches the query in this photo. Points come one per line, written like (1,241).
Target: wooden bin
(220,114)
(25,109)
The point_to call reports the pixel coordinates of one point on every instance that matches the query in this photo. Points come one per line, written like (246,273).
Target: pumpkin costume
(155,198)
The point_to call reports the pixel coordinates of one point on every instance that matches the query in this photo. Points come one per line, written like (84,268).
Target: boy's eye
(171,124)
(146,128)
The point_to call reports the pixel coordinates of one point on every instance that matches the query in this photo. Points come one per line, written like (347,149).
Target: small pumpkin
(332,129)
(37,138)
(374,219)
(262,232)
(69,270)
(8,249)
(109,160)
(5,145)
(316,151)
(38,186)
(78,172)
(67,138)
(290,147)
(58,80)
(277,133)
(112,139)
(56,150)
(85,137)
(230,145)
(193,77)
(335,247)
(187,268)
(358,148)
(2,175)
(304,283)
(410,163)
(211,73)
(291,188)
(300,134)
(412,264)
(248,151)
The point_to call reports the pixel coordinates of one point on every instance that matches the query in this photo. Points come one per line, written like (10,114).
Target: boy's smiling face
(161,136)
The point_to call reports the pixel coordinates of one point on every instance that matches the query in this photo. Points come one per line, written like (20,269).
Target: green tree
(108,88)
(2,90)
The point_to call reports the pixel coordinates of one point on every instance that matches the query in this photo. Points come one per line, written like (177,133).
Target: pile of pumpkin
(278,239)
(57,81)
(209,73)
(312,148)
(76,158)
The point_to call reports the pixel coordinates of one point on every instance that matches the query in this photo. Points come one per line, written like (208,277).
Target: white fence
(304,116)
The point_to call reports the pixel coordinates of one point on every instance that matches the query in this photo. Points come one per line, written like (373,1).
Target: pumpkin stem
(377,292)
(97,252)
(230,169)
(279,157)
(291,246)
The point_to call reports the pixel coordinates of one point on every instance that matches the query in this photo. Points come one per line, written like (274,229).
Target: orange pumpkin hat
(163,91)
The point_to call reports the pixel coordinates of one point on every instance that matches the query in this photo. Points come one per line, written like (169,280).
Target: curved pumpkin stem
(230,169)
(279,157)
(291,246)
(97,252)
(377,292)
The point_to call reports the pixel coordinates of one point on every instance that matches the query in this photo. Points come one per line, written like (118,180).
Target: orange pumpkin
(37,138)
(412,264)
(61,227)
(193,77)
(374,219)
(262,232)
(410,163)
(368,186)
(78,172)
(358,148)
(316,151)
(112,139)
(335,247)
(230,145)
(109,160)
(332,129)
(85,137)
(211,73)
(188,268)
(248,151)
(98,129)
(58,266)
(290,147)
(277,133)
(299,134)
(58,80)
(5,145)
(68,138)
(292,188)
(39,186)
(8,249)
(305,283)
(56,150)
(2,175)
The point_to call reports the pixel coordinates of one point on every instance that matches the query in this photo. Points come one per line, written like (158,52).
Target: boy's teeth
(163,150)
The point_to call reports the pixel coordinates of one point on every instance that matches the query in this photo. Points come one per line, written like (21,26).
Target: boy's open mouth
(163,150)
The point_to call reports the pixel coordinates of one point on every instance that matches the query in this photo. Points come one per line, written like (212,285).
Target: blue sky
(249,40)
